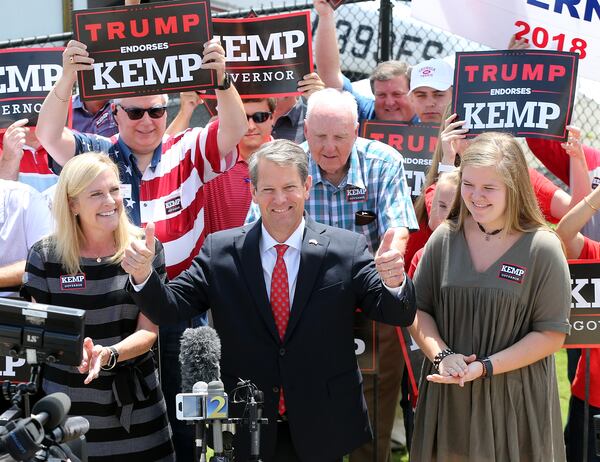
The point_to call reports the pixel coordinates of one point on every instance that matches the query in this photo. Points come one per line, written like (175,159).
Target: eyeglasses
(259,117)
(136,113)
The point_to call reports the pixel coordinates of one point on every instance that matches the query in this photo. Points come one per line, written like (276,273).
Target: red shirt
(415,262)
(418,239)
(227,199)
(553,156)
(590,250)
(544,191)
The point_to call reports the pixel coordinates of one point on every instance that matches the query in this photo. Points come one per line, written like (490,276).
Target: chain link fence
(359,37)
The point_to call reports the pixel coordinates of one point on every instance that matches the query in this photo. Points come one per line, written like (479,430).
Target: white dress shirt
(291,257)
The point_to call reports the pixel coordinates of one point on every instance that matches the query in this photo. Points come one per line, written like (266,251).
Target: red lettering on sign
(489,72)
(189,21)
(533,72)
(93,30)
(168,26)
(556,71)
(115,29)
(396,141)
(376,136)
(135,32)
(470,70)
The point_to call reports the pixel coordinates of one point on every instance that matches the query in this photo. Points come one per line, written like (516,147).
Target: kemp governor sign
(26,77)
(585,305)
(144,50)
(266,56)
(527,93)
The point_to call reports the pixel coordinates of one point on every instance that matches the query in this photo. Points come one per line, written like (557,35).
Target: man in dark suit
(289,327)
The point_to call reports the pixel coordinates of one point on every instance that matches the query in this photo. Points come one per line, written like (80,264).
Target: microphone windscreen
(200,353)
(56,405)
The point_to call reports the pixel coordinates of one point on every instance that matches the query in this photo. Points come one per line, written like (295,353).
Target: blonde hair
(502,151)
(432,174)
(77,174)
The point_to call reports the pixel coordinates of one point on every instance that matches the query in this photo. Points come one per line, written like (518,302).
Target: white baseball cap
(435,73)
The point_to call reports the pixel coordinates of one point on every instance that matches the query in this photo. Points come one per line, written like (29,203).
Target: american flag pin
(313,242)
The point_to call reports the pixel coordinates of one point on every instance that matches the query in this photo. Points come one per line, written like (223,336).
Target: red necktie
(280,302)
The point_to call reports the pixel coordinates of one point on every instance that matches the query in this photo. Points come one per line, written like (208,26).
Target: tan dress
(513,416)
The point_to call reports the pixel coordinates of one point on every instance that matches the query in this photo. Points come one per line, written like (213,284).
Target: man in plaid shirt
(359,185)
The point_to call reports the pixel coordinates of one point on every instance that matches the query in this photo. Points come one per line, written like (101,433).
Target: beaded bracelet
(439,357)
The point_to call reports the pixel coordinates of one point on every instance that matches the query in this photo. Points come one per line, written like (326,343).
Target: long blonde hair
(77,174)
(503,152)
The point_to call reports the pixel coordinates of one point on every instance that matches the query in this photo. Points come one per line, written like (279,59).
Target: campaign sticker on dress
(173,205)
(595,182)
(512,272)
(126,190)
(356,194)
(72,281)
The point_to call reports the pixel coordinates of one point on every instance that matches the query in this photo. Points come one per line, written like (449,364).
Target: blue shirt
(101,123)
(374,185)
(366,104)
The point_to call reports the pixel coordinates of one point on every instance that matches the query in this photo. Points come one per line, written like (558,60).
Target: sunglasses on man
(136,113)
(259,117)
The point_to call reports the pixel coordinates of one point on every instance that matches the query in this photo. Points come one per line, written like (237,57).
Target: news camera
(40,334)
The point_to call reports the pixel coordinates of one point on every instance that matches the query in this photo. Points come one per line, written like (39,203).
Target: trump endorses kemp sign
(526,93)
(144,50)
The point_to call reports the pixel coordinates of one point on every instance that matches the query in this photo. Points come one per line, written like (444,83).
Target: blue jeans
(170,374)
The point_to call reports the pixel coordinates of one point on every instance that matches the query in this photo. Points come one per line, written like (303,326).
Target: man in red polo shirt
(228,197)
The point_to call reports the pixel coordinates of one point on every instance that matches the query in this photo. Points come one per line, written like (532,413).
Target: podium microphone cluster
(200,355)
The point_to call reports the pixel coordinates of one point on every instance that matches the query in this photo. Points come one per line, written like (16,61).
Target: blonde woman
(116,386)
(493,295)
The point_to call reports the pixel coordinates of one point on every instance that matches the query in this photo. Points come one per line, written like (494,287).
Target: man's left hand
(389,262)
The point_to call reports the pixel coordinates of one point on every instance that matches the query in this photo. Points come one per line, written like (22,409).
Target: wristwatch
(226,82)
(112,360)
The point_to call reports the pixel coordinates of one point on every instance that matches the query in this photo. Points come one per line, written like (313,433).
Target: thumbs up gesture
(139,256)
(389,261)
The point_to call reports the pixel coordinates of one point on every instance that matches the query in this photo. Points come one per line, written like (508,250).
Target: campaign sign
(145,49)
(365,343)
(527,93)
(26,77)
(268,55)
(416,143)
(14,370)
(585,304)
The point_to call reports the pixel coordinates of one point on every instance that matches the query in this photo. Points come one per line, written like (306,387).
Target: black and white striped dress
(125,406)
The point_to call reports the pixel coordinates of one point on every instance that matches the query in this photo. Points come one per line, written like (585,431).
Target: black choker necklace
(491,233)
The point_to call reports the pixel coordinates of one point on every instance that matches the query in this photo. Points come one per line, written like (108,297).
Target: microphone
(199,356)
(22,439)
(69,430)
(256,404)
(217,409)
(51,410)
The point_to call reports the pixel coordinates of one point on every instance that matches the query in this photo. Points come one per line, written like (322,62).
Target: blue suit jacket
(315,363)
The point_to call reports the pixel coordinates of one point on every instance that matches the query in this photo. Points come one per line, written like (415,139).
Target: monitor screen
(41,333)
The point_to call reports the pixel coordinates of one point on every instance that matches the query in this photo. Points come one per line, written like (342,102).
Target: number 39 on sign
(540,37)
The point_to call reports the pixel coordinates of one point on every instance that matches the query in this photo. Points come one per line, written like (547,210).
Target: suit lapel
(314,248)
(249,254)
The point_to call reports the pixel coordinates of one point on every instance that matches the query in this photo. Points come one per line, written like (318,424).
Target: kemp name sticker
(144,50)
(585,305)
(526,93)
(26,77)
(416,143)
(266,56)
